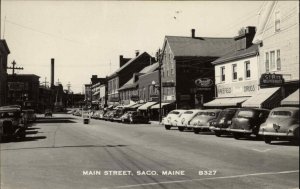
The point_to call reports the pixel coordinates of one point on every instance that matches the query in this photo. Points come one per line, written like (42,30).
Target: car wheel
(168,127)
(267,140)
(181,129)
(196,131)
(218,133)
(236,136)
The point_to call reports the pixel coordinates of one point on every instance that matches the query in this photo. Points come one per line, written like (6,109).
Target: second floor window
(247,69)
(222,73)
(267,62)
(234,72)
(277,21)
(272,60)
(278,61)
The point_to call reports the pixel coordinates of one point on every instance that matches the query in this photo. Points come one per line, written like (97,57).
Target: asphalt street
(62,152)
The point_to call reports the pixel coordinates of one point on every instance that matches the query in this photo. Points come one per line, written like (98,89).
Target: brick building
(4,51)
(187,60)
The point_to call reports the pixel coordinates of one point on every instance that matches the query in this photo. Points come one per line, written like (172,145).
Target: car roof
(286,108)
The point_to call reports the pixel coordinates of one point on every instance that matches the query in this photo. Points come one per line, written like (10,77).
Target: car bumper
(239,131)
(200,127)
(217,128)
(264,133)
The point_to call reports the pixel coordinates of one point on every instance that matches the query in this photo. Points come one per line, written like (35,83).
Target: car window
(7,115)
(174,112)
(188,112)
(210,114)
(245,113)
(281,114)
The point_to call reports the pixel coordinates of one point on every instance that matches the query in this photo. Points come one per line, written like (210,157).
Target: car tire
(267,140)
(196,131)
(181,129)
(167,127)
(218,133)
(237,136)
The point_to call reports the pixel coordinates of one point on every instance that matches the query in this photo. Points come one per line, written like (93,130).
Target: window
(277,21)
(267,62)
(172,71)
(234,72)
(278,62)
(247,67)
(272,60)
(222,73)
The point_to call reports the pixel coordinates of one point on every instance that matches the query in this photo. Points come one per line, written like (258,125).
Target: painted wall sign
(271,79)
(247,88)
(16,86)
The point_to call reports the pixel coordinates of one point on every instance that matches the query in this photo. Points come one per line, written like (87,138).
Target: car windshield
(246,113)
(281,114)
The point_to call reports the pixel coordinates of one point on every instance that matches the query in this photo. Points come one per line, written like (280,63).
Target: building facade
(187,72)
(278,39)
(23,89)
(4,51)
(124,74)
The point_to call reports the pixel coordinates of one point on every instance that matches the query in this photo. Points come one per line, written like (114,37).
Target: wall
(286,40)
(242,86)
(149,92)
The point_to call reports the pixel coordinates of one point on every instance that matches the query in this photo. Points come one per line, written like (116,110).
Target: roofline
(5,45)
(201,37)
(24,75)
(247,55)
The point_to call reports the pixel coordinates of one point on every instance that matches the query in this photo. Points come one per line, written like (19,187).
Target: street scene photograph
(149,94)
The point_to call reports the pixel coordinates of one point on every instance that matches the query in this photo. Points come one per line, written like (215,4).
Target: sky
(87,37)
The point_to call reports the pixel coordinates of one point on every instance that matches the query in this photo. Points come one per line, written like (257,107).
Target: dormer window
(277,21)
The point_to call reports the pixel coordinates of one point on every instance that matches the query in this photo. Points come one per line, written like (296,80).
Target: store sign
(168,84)
(15,86)
(248,88)
(271,79)
(204,82)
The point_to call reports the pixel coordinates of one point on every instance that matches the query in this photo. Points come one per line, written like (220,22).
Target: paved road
(64,153)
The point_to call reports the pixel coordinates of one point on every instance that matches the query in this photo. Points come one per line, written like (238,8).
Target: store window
(272,61)
(222,74)
(247,68)
(267,62)
(234,72)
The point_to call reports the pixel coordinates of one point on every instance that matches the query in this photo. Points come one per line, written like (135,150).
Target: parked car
(282,124)
(185,118)
(48,113)
(167,121)
(136,117)
(247,121)
(223,121)
(117,115)
(125,118)
(108,114)
(30,114)
(12,122)
(202,119)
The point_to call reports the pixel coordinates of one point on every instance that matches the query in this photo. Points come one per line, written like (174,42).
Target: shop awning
(226,102)
(156,106)
(146,105)
(136,106)
(263,98)
(291,100)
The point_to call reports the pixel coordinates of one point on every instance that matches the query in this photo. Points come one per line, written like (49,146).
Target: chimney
(52,72)
(193,33)
(137,52)
(245,37)
(121,61)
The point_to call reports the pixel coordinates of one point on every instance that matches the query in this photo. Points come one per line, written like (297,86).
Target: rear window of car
(281,113)
(174,112)
(229,113)
(245,113)
(188,112)
(211,114)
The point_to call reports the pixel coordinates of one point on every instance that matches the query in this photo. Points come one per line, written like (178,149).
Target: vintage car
(282,124)
(30,115)
(107,116)
(125,118)
(202,119)
(12,122)
(185,118)
(117,115)
(136,117)
(247,121)
(223,121)
(167,121)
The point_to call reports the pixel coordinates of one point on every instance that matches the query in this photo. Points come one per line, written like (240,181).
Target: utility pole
(160,56)
(69,87)
(13,68)
(45,82)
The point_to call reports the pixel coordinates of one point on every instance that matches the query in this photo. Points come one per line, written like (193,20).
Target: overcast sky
(84,37)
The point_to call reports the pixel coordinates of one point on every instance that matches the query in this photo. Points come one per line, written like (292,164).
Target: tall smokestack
(193,33)
(52,72)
